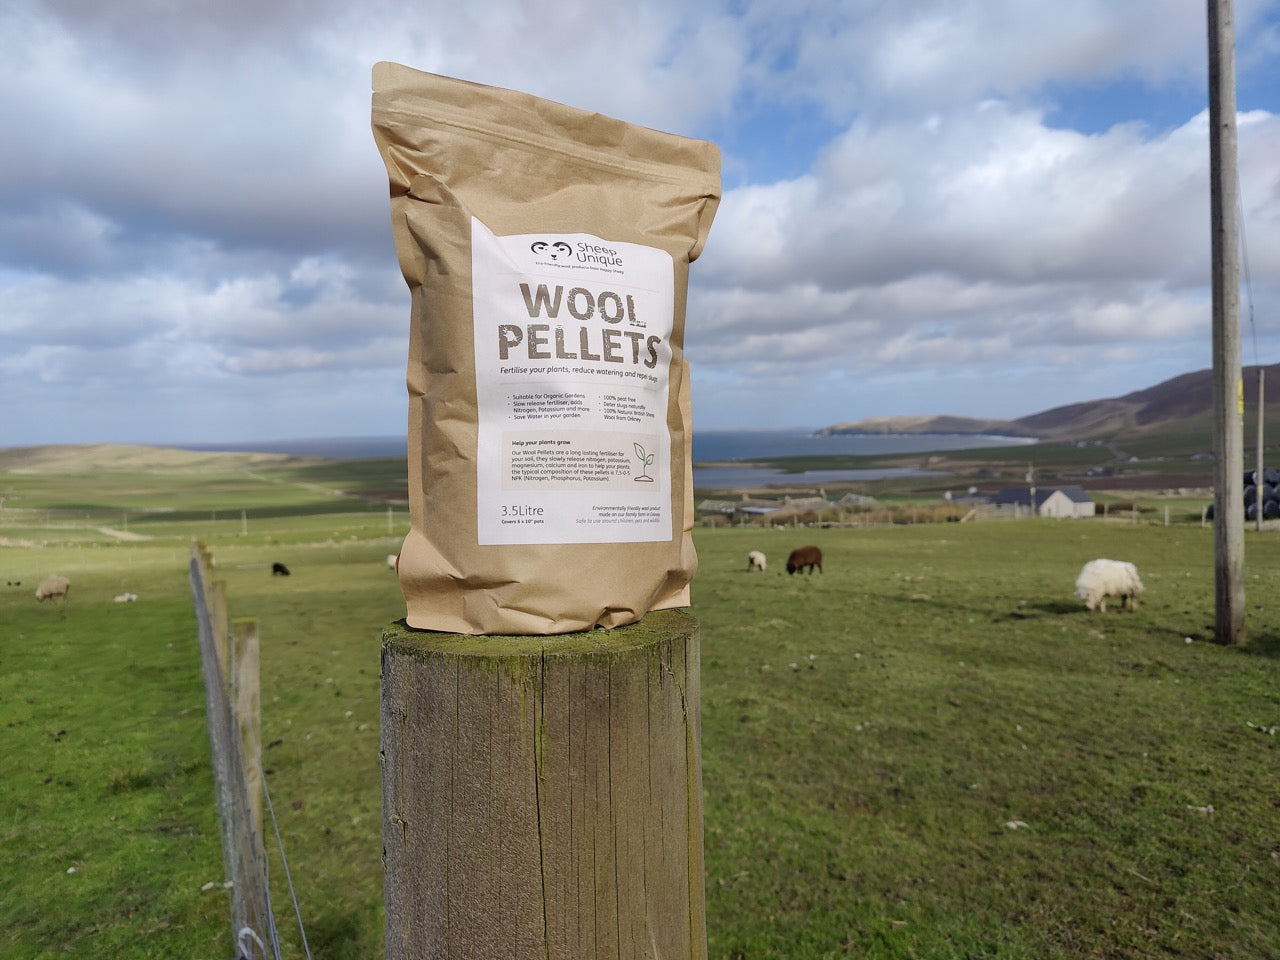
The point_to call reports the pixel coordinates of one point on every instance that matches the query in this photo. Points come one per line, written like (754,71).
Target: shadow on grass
(1033,611)
(1266,646)
(1262,645)
(1022,610)
(341,936)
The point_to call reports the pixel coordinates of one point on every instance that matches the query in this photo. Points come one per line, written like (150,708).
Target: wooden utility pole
(1224,207)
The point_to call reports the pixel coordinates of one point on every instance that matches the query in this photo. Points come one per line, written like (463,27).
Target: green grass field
(930,750)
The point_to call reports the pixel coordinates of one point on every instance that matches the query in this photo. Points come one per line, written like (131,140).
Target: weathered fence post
(542,796)
(218,610)
(230,733)
(246,704)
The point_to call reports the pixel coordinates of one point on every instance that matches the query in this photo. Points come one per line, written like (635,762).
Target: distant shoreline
(332,448)
(717,449)
(752,477)
(1011,438)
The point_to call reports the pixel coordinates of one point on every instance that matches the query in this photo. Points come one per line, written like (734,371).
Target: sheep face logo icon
(556,251)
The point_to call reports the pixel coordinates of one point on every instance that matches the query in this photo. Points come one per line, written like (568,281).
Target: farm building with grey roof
(1068,501)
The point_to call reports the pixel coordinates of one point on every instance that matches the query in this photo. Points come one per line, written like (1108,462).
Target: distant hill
(126,457)
(1184,398)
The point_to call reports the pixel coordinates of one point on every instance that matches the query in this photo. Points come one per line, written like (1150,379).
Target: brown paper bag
(547,252)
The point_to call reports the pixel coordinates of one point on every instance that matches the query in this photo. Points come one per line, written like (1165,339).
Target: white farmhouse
(1050,501)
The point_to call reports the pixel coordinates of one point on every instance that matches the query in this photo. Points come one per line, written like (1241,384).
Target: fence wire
(244,858)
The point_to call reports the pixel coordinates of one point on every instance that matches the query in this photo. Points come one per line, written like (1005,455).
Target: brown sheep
(803,557)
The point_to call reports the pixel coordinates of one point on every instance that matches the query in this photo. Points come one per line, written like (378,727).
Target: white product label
(572,376)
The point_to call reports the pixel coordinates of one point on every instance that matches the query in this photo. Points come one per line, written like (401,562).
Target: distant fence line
(229,665)
(930,513)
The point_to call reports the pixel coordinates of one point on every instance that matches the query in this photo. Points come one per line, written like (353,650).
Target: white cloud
(980,238)
(190,194)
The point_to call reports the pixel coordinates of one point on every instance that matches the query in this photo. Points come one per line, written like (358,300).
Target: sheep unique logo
(555,250)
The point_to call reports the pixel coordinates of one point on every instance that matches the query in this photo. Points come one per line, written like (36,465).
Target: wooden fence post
(246,704)
(215,597)
(218,618)
(542,796)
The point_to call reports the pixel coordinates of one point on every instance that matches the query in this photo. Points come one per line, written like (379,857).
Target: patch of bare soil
(122,534)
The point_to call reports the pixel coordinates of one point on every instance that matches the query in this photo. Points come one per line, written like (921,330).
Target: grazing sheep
(279,570)
(124,598)
(392,560)
(803,557)
(755,561)
(1103,578)
(53,587)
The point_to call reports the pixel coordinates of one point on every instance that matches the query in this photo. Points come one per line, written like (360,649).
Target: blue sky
(971,207)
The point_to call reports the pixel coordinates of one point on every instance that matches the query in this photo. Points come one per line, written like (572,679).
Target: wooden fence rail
(229,665)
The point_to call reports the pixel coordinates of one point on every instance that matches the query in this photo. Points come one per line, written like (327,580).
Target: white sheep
(125,598)
(392,560)
(1104,578)
(53,587)
(755,561)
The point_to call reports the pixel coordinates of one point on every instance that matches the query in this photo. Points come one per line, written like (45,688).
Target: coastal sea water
(332,448)
(722,458)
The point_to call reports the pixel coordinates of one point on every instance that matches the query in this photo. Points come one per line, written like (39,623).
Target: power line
(1248,283)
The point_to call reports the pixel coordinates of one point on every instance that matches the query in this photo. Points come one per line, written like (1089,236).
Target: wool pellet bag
(547,253)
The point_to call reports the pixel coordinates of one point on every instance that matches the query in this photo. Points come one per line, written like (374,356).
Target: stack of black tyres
(1264,496)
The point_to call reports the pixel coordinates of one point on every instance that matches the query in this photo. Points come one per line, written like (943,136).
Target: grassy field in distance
(929,750)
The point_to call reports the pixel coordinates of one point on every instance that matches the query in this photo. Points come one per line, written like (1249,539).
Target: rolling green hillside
(1176,411)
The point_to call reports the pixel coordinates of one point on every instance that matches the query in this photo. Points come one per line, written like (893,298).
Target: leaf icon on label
(646,459)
